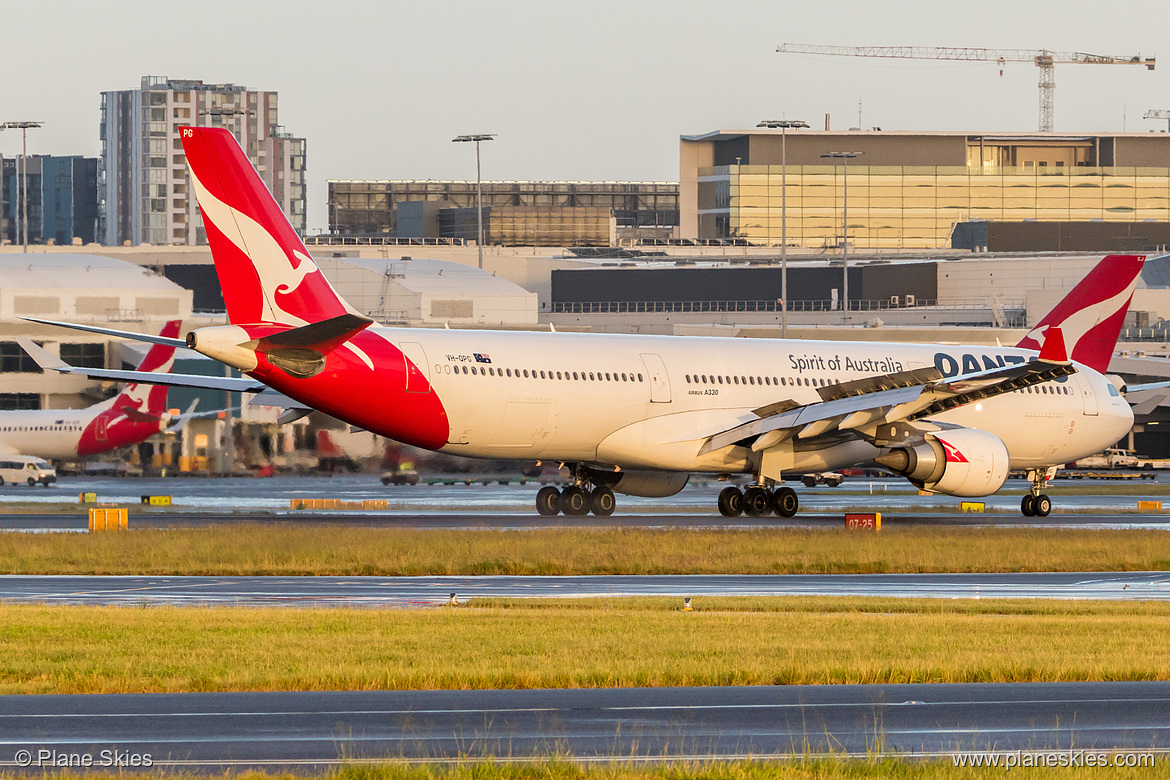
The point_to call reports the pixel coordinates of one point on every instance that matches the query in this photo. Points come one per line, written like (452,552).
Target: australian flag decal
(481,358)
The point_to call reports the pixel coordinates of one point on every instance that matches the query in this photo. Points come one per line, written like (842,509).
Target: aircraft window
(688,378)
(767,381)
(773,380)
(624,377)
(639,377)
(607,376)
(720,380)
(574,375)
(590,376)
(751,380)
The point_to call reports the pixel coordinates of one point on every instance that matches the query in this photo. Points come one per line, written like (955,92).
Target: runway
(218,731)
(447,505)
(66,522)
(398,592)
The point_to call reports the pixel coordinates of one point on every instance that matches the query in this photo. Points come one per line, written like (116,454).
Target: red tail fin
(151,399)
(1091,315)
(264,268)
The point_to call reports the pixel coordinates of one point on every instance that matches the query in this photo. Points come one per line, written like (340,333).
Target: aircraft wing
(126,334)
(867,404)
(50,362)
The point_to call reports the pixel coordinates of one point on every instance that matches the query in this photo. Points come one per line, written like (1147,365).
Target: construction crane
(1043,59)
(1158,113)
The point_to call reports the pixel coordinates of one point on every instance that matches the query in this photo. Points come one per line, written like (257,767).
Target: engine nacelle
(961,462)
(647,484)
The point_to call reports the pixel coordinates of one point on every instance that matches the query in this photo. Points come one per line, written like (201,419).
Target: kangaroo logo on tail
(266,273)
(1091,315)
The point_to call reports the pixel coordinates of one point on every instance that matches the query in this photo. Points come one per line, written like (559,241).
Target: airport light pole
(844,157)
(23,128)
(783,124)
(478,188)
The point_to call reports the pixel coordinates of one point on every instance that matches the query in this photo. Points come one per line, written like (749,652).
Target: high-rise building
(62,199)
(144,186)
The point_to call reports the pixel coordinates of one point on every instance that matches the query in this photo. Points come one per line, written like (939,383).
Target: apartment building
(143,183)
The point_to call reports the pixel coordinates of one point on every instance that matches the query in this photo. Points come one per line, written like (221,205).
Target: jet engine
(959,462)
(647,484)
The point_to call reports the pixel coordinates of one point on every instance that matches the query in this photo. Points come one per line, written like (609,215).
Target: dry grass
(787,768)
(347,550)
(791,768)
(571,644)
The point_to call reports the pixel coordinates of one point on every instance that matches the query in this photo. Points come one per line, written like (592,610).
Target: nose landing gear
(758,501)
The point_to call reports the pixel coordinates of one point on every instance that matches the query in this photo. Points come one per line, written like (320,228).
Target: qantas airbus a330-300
(639,414)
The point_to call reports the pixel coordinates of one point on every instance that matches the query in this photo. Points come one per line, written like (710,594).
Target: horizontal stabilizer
(322,337)
(43,358)
(125,334)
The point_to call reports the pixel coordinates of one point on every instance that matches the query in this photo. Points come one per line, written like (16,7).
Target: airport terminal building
(908,190)
(516,213)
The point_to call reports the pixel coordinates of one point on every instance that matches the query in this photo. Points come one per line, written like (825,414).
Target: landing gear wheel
(602,502)
(548,501)
(757,502)
(1043,505)
(785,502)
(730,502)
(574,501)
(1028,505)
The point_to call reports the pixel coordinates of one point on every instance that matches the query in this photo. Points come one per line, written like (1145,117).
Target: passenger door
(659,381)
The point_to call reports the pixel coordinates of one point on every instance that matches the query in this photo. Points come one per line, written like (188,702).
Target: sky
(596,90)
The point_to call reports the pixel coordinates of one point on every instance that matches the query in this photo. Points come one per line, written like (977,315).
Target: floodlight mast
(783,125)
(844,157)
(476,138)
(23,127)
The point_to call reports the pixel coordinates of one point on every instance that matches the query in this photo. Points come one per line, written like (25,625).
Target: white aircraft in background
(138,412)
(639,414)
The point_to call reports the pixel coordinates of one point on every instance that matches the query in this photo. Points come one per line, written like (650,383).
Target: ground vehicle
(829,478)
(1111,458)
(400,477)
(15,469)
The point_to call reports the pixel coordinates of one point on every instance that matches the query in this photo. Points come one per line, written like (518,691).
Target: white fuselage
(47,433)
(650,401)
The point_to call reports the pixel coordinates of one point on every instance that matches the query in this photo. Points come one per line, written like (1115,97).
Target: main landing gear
(576,500)
(1037,504)
(758,501)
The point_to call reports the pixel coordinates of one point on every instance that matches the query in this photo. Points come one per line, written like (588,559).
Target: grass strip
(788,768)
(252,549)
(619,642)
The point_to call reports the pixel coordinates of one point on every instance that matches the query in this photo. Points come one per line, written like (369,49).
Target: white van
(17,469)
